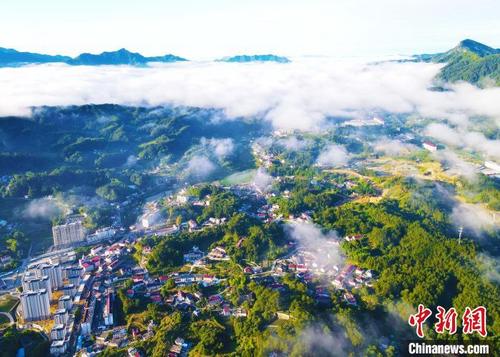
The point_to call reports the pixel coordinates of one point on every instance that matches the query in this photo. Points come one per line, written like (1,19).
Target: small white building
(492,166)
(430,146)
(101,234)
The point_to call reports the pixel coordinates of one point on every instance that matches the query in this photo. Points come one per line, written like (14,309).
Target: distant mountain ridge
(11,57)
(469,61)
(255,58)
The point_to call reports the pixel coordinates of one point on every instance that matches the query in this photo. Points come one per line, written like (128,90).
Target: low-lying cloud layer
(333,156)
(299,95)
(221,148)
(473,218)
(43,208)
(262,181)
(393,147)
(311,238)
(199,167)
(461,137)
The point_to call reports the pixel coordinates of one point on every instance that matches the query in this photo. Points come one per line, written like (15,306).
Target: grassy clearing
(7,302)
(239,178)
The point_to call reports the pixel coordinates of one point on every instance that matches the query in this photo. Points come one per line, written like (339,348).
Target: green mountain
(9,57)
(255,58)
(121,56)
(470,61)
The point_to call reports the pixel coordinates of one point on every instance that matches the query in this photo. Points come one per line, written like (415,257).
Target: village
(79,312)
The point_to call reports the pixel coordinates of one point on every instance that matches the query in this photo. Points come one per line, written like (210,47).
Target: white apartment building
(30,283)
(61,316)
(54,272)
(35,305)
(68,234)
(65,302)
(101,234)
(58,332)
(70,290)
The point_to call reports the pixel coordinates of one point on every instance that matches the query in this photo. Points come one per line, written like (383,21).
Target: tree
(211,335)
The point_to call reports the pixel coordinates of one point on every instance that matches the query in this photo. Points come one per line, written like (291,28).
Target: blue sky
(206,29)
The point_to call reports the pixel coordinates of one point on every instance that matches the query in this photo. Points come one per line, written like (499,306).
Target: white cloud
(393,147)
(333,156)
(293,144)
(444,133)
(43,208)
(131,161)
(310,237)
(298,95)
(461,137)
(199,167)
(473,218)
(262,181)
(457,165)
(490,267)
(222,148)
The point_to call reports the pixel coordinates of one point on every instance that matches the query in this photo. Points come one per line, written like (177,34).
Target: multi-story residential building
(70,290)
(58,347)
(54,272)
(58,332)
(101,234)
(31,283)
(65,302)
(72,272)
(68,234)
(35,305)
(61,316)
(88,316)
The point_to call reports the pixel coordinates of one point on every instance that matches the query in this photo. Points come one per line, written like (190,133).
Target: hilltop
(469,61)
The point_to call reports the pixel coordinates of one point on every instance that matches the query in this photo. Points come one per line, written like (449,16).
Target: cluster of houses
(263,156)
(184,301)
(311,266)
(218,254)
(268,213)
(102,267)
(360,122)
(179,348)
(351,277)
(186,279)
(104,258)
